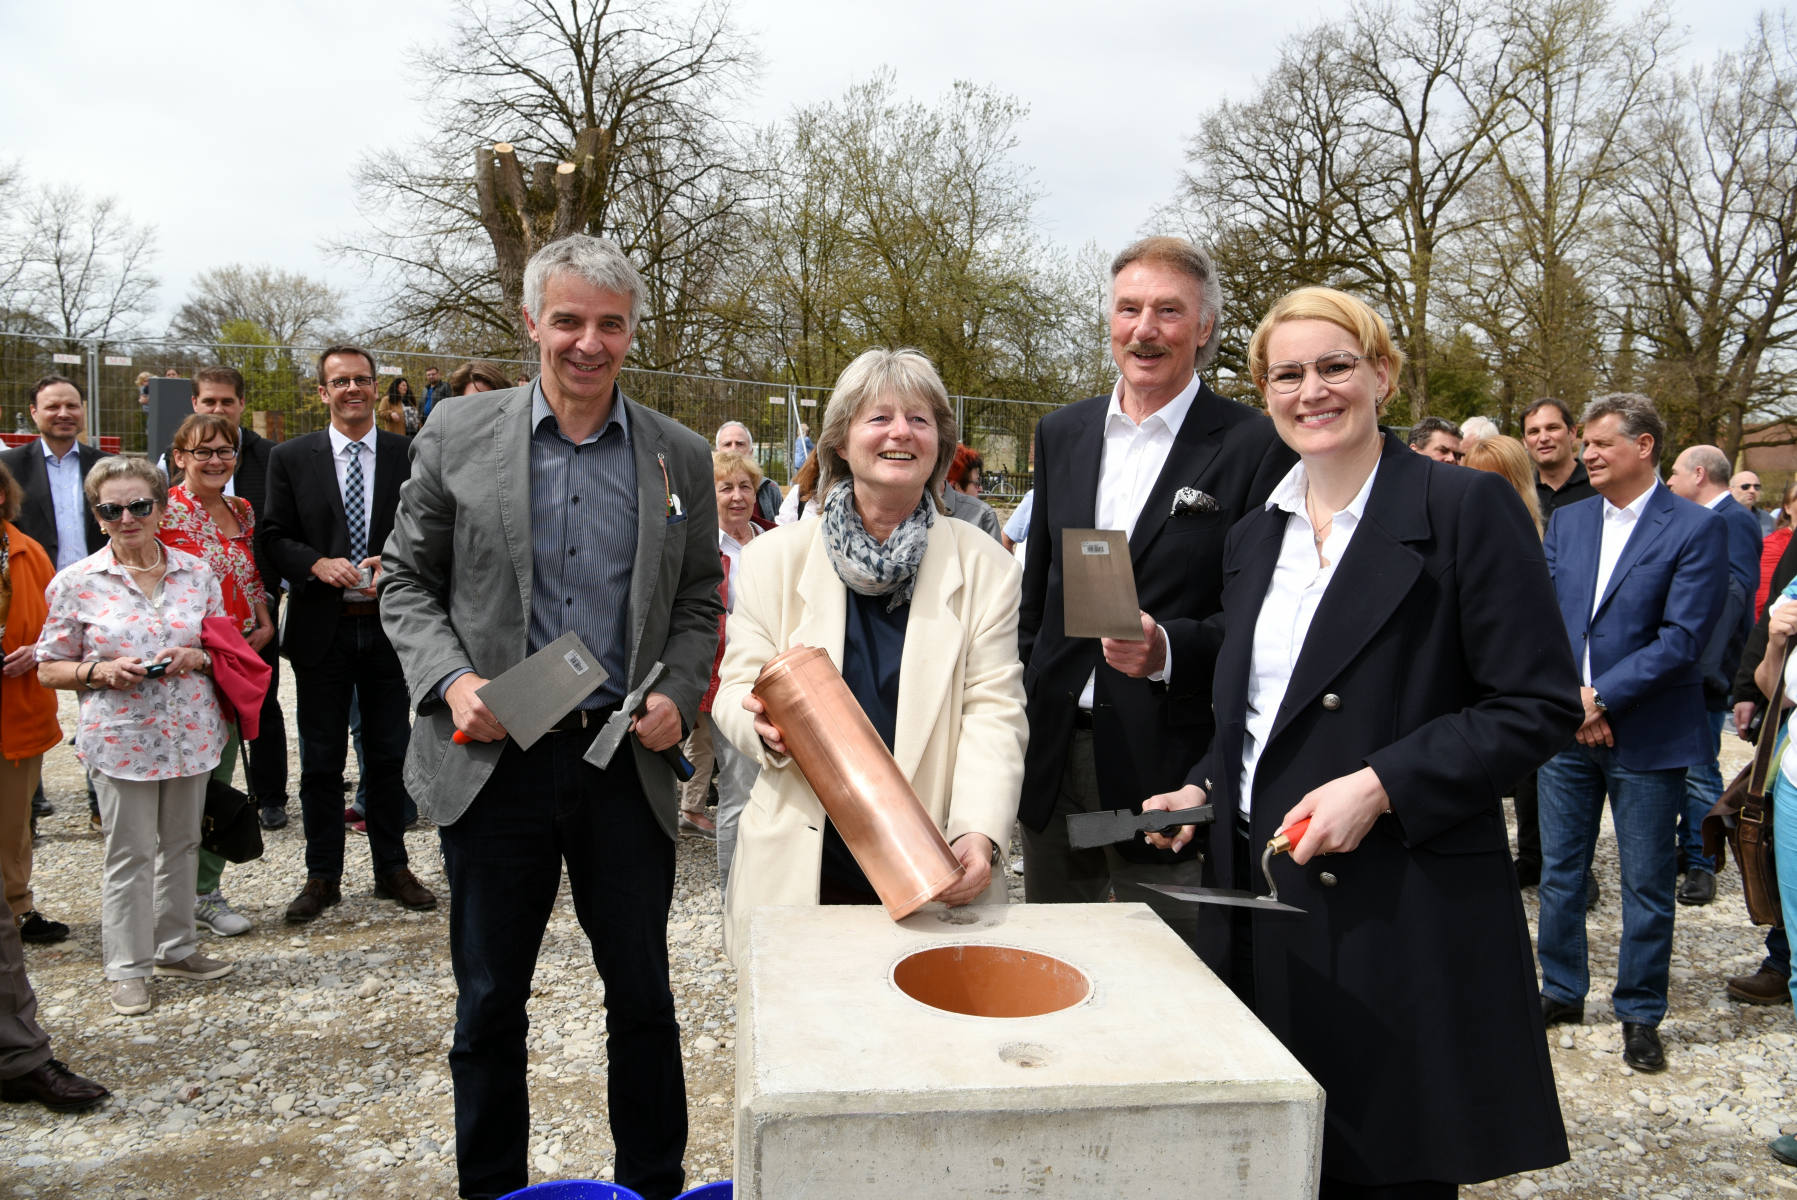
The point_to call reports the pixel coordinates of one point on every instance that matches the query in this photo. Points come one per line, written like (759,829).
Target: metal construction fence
(282,385)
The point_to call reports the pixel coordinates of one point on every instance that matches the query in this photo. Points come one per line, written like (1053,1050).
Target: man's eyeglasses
(1286,377)
(137,508)
(361,381)
(205,453)
(1750,487)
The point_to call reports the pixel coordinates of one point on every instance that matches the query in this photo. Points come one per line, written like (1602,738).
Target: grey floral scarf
(868,567)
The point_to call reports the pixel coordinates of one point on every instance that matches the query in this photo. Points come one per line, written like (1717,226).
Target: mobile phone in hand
(364,578)
(156,670)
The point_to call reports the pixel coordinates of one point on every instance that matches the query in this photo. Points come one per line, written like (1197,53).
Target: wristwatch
(1597,702)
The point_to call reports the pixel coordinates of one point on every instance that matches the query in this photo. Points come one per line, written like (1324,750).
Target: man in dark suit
(1701,476)
(1175,465)
(331,500)
(219,391)
(1640,576)
(52,472)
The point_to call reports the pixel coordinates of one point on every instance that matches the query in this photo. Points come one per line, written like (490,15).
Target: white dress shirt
(69,502)
(1130,465)
(1289,607)
(340,457)
(1619,523)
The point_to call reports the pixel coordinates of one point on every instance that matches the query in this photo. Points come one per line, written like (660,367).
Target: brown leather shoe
(404,887)
(319,894)
(55,1087)
(1761,987)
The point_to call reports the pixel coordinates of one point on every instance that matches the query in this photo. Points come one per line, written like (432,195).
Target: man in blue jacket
(1641,576)
(1701,476)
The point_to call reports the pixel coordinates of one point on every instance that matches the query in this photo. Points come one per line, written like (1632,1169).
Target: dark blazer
(1649,633)
(304,522)
(1408,988)
(1145,735)
(37,517)
(1723,650)
(1746,690)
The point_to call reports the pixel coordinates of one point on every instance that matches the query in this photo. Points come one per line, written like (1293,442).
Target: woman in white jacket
(918,612)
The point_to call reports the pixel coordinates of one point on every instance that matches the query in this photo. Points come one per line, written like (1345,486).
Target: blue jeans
(1703,787)
(541,808)
(1645,806)
(1784,855)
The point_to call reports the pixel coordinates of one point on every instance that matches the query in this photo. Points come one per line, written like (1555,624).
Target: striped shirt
(583,533)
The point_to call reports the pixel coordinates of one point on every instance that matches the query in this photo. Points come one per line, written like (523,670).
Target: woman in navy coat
(1393,662)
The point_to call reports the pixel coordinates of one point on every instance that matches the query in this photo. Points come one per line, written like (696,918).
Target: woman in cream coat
(918,611)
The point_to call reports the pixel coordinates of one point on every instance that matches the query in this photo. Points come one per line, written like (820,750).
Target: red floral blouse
(188,526)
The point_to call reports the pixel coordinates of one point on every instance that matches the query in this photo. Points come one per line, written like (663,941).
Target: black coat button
(1328,878)
(1332,702)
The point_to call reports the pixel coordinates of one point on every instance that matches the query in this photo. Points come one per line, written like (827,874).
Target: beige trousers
(17,781)
(152,856)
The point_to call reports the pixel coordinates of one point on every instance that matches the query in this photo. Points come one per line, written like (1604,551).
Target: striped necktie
(352,506)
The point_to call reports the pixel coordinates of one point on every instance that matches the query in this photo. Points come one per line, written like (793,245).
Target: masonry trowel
(1281,842)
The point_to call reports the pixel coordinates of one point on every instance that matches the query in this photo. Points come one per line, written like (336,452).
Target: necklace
(160,560)
(1319,532)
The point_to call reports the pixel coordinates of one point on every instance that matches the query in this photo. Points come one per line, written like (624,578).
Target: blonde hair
(875,375)
(1506,456)
(1350,313)
(725,463)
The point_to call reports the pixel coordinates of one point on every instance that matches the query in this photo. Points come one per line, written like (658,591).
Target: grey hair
(595,260)
(1636,415)
(875,375)
(120,466)
(728,424)
(1480,428)
(1711,459)
(1190,260)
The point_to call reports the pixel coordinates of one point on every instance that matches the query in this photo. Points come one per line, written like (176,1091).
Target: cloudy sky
(234,129)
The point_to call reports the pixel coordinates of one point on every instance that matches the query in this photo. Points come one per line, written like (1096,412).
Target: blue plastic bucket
(575,1189)
(722,1190)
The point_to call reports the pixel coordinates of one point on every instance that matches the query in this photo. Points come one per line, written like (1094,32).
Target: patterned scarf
(871,568)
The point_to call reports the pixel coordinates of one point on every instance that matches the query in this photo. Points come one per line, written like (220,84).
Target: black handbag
(230,828)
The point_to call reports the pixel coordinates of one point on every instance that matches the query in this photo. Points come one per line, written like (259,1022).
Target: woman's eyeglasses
(1286,377)
(203,453)
(137,508)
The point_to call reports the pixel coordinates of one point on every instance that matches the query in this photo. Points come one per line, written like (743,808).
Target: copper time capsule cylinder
(847,764)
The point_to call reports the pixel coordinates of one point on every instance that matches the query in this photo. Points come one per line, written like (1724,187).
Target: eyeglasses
(1286,377)
(361,381)
(204,454)
(1750,487)
(137,508)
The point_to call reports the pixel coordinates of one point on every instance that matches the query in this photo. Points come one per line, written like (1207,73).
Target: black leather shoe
(34,928)
(1641,1048)
(40,807)
(1699,887)
(55,1087)
(1556,1013)
(273,816)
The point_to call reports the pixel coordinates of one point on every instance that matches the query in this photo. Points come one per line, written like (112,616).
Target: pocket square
(1187,501)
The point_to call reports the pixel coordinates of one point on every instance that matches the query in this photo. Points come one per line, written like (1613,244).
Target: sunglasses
(137,508)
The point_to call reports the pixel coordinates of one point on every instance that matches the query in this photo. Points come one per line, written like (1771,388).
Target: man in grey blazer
(530,513)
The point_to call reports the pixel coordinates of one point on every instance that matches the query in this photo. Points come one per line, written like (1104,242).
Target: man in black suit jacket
(53,472)
(331,500)
(219,391)
(1166,458)
(58,408)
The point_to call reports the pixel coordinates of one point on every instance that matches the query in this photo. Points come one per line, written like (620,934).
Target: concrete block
(848,1086)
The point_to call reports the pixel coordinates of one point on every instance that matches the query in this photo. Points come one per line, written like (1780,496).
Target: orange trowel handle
(461,739)
(1290,836)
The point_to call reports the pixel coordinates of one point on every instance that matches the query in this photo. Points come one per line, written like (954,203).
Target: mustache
(1146,348)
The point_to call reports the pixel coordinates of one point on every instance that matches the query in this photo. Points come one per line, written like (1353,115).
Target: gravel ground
(317,1070)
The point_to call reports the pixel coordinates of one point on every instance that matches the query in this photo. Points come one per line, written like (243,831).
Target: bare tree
(1709,231)
(286,305)
(85,269)
(604,117)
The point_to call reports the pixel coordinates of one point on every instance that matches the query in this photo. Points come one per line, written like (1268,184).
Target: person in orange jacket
(30,727)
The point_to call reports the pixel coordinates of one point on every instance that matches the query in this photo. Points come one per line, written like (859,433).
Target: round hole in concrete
(990,981)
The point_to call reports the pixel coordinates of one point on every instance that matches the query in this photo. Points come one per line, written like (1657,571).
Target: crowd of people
(1336,628)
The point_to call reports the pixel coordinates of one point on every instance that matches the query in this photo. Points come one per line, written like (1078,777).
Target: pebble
(351,1019)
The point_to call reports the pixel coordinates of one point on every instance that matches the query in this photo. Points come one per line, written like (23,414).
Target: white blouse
(1290,606)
